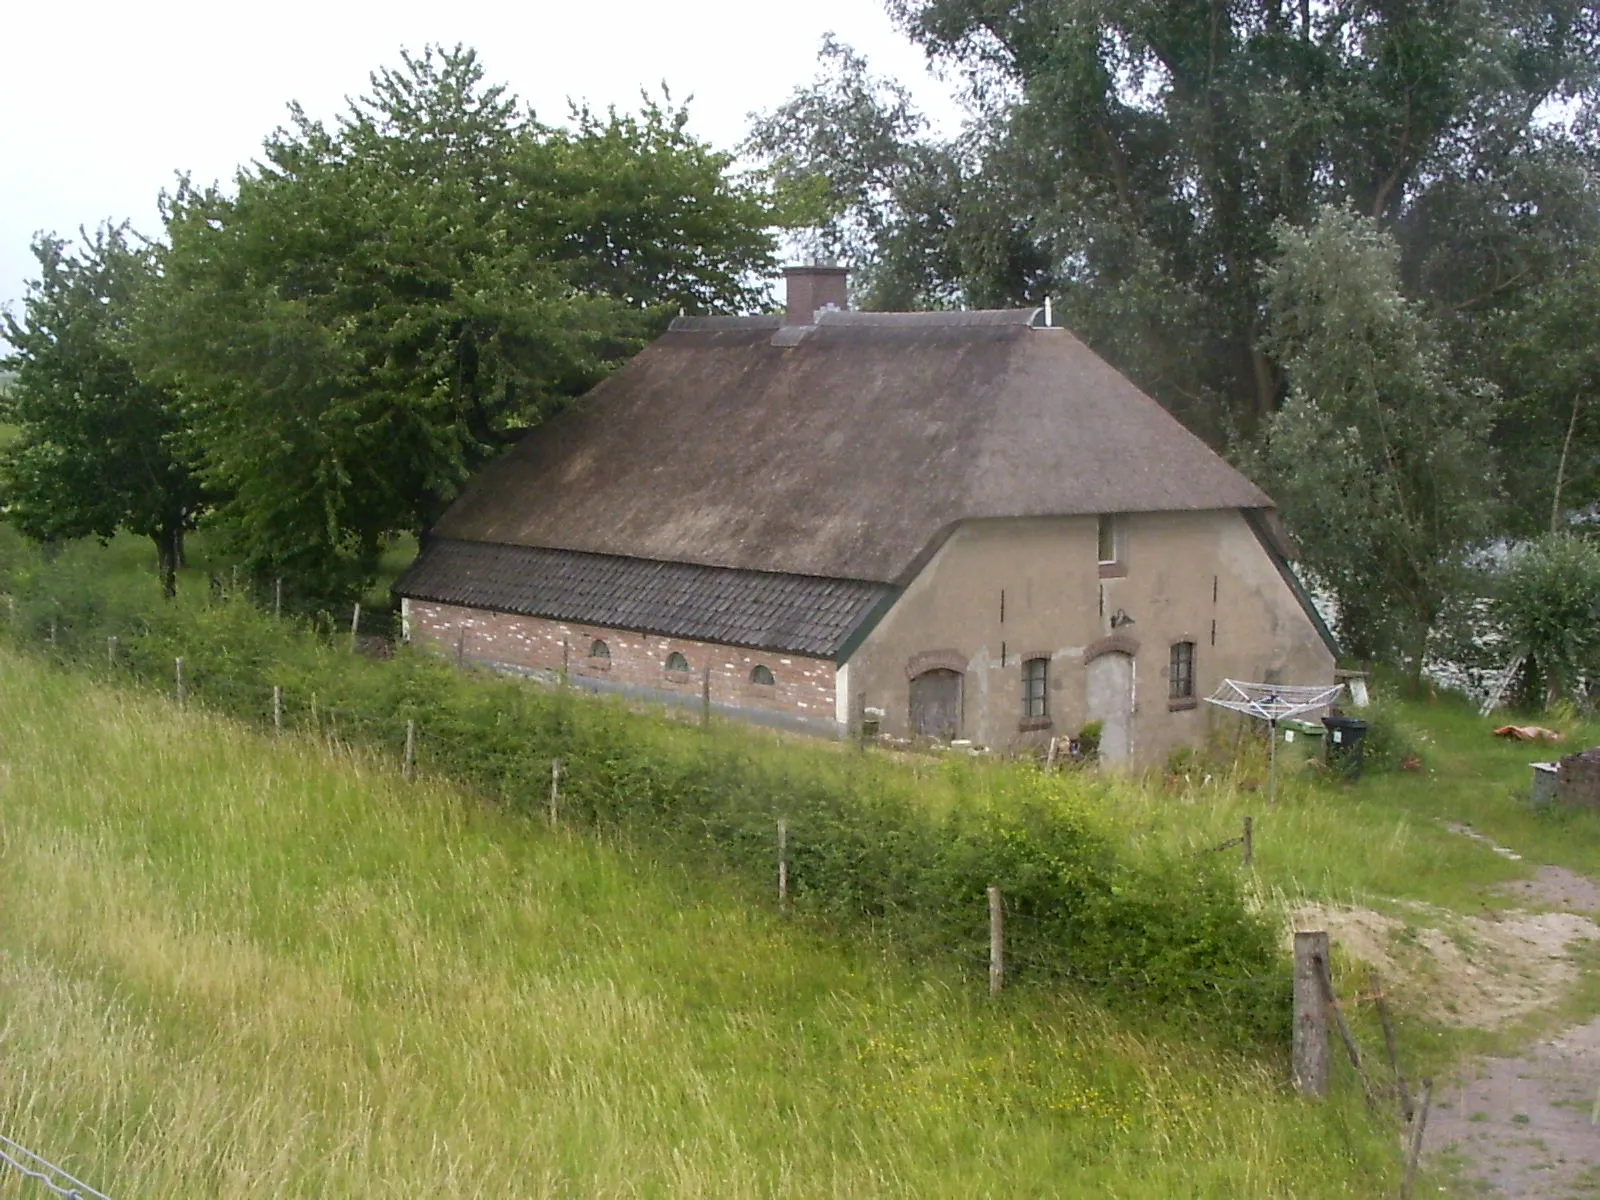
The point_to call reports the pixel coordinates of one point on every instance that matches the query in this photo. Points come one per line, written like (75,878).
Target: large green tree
(381,304)
(1134,159)
(100,447)
(1380,458)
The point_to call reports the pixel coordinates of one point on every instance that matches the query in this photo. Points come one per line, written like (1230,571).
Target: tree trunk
(1266,384)
(169,549)
(1561,467)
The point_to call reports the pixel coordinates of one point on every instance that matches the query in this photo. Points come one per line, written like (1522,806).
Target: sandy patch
(1471,971)
(1558,888)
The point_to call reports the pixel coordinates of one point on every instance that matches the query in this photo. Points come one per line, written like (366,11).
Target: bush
(865,851)
(1549,607)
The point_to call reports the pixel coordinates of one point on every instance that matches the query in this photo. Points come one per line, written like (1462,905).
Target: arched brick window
(677,664)
(600,650)
(761,674)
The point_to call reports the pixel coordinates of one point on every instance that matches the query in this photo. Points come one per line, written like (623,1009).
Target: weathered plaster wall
(802,691)
(1200,577)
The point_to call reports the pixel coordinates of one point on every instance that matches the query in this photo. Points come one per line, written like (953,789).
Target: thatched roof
(847,449)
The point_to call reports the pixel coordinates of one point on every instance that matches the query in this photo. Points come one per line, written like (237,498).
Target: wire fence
(41,1170)
(835,871)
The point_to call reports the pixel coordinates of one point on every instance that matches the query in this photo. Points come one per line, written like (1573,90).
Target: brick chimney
(814,288)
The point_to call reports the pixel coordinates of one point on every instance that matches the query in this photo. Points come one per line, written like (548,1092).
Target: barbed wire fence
(20,1159)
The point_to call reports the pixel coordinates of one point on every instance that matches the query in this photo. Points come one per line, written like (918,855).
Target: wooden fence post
(1417,1128)
(1050,755)
(277,596)
(566,661)
(997,943)
(705,697)
(355,624)
(177,675)
(461,645)
(1249,843)
(408,766)
(783,865)
(277,709)
(555,790)
(1310,1046)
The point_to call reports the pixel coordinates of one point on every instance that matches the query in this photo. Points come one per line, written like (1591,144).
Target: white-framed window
(1108,540)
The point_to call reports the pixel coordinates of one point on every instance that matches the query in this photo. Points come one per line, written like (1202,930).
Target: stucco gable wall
(1177,574)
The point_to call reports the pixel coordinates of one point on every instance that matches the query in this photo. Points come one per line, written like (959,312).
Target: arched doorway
(936,704)
(1110,701)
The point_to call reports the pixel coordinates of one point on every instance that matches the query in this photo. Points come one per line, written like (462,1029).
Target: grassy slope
(233,966)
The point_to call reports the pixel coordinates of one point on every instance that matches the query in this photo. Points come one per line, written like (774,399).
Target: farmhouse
(958,525)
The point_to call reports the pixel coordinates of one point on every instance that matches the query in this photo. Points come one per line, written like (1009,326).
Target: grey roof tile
(799,614)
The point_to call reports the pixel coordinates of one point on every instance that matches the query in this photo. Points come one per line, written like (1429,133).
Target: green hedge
(866,851)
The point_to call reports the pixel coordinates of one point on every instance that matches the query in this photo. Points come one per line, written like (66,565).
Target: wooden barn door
(1111,703)
(936,704)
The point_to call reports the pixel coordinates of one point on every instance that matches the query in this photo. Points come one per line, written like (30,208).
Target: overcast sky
(103,103)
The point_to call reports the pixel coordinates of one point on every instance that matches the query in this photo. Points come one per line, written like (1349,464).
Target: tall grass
(237,966)
(868,853)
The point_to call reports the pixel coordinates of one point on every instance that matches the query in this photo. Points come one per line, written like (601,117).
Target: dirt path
(1525,1126)
(1510,1127)
(1521,1127)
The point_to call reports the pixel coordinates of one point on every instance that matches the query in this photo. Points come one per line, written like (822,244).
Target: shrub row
(866,850)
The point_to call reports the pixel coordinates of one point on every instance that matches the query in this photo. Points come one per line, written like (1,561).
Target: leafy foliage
(384,304)
(100,446)
(1133,160)
(1549,608)
(1380,459)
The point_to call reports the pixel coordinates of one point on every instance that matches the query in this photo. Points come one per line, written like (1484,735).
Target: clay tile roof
(790,613)
(847,453)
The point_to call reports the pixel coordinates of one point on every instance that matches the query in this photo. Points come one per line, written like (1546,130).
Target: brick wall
(802,688)
(1578,782)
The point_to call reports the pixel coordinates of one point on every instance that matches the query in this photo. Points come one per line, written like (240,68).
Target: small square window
(1180,673)
(1036,687)
(1108,539)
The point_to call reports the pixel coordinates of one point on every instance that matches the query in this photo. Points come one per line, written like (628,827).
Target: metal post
(355,624)
(555,790)
(705,697)
(1272,762)
(277,596)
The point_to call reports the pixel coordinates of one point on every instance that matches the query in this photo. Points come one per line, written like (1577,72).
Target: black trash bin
(1344,742)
